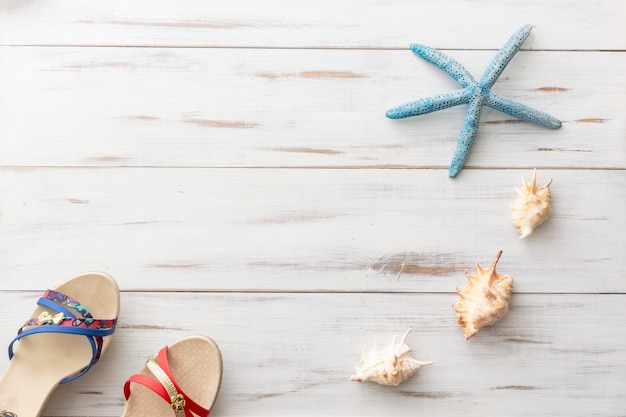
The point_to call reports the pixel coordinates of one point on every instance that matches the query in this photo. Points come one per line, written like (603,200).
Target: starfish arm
(504,56)
(521,111)
(447,64)
(467,135)
(430,104)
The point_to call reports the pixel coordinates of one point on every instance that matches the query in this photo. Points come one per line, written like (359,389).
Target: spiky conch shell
(532,207)
(485,300)
(387,365)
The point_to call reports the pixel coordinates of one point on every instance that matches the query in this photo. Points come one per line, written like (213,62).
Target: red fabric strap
(146,381)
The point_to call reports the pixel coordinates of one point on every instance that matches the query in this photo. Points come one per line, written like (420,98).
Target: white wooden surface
(229,163)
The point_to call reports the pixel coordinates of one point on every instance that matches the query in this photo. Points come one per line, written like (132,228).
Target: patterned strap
(65,321)
(166,387)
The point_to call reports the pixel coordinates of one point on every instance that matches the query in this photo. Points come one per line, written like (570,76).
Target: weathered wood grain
(576,25)
(296,108)
(296,352)
(307,229)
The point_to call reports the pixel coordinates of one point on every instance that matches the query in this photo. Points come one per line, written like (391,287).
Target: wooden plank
(307,230)
(574,25)
(253,108)
(293,354)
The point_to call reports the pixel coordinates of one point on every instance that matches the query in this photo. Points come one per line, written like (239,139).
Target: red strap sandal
(194,363)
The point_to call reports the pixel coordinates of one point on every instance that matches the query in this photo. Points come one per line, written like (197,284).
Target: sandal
(186,374)
(68,332)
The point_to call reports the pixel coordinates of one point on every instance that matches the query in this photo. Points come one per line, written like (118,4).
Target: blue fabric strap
(55,306)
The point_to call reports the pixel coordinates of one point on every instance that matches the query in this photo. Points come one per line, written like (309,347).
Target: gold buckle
(5,413)
(47,318)
(178,402)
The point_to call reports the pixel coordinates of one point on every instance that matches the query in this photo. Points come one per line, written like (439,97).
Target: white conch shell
(532,206)
(387,365)
(485,300)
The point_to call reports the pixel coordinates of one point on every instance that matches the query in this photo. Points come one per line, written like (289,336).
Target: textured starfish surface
(475,94)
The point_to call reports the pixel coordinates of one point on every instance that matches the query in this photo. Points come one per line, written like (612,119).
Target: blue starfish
(474,94)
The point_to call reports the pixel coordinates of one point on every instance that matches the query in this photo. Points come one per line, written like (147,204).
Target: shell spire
(387,365)
(532,207)
(485,300)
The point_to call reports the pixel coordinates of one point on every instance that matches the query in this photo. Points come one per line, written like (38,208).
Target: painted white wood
(307,229)
(573,25)
(293,354)
(296,108)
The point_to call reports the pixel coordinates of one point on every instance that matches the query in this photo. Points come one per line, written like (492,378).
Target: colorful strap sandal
(61,342)
(186,374)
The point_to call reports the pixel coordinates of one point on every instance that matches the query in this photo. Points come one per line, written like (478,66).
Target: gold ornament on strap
(177,399)
(47,318)
(178,402)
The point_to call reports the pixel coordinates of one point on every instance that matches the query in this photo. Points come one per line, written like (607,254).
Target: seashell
(485,300)
(532,206)
(387,365)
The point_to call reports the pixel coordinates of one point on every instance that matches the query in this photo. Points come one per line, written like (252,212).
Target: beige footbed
(196,365)
(41,361)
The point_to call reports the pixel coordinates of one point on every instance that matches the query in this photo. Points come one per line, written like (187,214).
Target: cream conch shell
(485,300)
(532,206)
(387,365)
